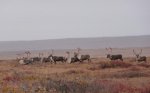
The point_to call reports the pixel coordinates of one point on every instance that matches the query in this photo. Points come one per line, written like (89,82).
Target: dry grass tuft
(74,72)
(133,74)
(114,64)
(146,65)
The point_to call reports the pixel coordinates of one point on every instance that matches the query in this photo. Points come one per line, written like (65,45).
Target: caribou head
(108,56)
(28,53)
(109,50)
(82,57)
(137,54)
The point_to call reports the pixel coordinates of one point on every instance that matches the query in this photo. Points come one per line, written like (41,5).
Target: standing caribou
(57,58)
(114,57)
(139,58)
(77,57)
(38,58)
(73,59)
(47,59)
(54,59)
(83,57)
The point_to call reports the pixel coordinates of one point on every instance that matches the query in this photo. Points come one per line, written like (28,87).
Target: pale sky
(51,19)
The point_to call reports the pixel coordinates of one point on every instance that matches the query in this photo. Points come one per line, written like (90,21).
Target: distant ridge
(71,43)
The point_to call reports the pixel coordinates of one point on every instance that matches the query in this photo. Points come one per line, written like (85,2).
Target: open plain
(98,76)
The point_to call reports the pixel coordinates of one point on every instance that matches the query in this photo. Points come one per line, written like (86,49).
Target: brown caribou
(139,58)
(113,57)
(83,57)
(73,59)
(57,58)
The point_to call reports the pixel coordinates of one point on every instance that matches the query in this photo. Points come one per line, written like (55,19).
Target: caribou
(77,57)
(83,57)
(114,57)
(139,58)
(57,58)
(37,58)
(45,59)
(73,59)
(25,60)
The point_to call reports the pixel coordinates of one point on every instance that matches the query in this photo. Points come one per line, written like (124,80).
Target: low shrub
(95,86)
(121,64)
(93,68)
(144,65)
(74,72)
(115,64)
(130,74)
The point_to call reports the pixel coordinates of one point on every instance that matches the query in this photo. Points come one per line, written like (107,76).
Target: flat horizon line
(74,38)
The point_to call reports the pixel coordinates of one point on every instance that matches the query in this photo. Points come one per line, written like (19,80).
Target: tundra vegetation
(99,76)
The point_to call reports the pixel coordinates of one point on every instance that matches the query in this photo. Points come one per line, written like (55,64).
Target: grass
(96,77)
(144,65)
(105,65)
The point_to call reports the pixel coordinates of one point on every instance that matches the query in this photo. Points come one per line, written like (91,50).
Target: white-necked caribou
(139,58)
(73,59)
(83,57)
(57,58)
(113,56)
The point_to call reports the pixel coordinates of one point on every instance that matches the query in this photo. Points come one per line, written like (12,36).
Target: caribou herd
(76,57)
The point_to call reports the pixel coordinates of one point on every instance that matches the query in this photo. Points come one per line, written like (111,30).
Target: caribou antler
(109,49)
(134,52)
(78,49)
(140,52)
(28,53)
(137,53)
(52,51)
(41,54)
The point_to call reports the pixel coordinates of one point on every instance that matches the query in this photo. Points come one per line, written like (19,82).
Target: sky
(52,19)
